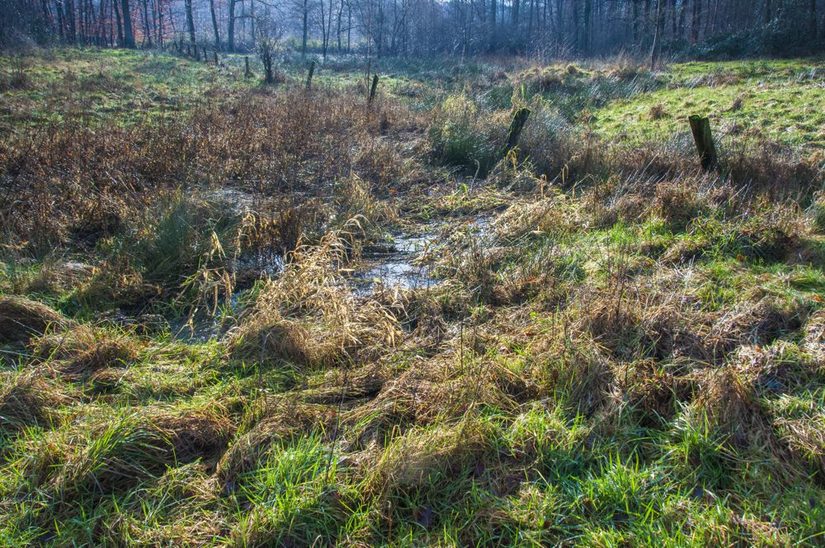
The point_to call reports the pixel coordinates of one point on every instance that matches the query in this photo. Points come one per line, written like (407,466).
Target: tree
(128,34)
(215,24)
(230,31)
(654,51)
(304,26)
(268,43)
(697,21)
(190,21)
(147,30)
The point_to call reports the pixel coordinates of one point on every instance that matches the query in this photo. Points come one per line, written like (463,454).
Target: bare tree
(268,45)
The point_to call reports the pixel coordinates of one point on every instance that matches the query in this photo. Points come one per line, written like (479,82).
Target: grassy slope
(783,101)
(564,386)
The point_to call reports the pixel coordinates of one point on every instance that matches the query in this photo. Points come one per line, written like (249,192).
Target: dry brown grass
(422,457)
(83,350)
(21,319)
(309,315)
(268,143)
(753,322)
(729,400)
(815,335)
(443,387)
(113,455)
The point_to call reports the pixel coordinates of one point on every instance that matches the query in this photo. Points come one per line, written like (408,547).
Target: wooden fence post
(246,72)
(309,75)
(373,89)
(516,125)
(700,127)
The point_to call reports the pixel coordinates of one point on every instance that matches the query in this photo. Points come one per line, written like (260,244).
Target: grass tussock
(132,447)
(21,319)
(308,316)
(82,350)
(29,399)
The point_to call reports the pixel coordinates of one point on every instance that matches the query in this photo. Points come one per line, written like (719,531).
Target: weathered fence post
(246,72)
(373,89)
(516,125)
(700,127)
(309,74)
(215,57)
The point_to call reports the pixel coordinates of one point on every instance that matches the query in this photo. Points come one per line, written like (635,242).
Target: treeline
(424,27)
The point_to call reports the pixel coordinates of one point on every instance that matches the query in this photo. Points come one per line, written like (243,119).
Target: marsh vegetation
(247,314)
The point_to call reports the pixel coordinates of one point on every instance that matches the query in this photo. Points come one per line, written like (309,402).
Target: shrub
(461,136)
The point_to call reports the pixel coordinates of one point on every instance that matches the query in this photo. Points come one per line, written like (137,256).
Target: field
(239,314)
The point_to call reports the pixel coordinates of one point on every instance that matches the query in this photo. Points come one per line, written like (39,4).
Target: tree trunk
(215,24)
(230,33)
(147,31)
(697,21)
(60,23)
(128,34)
(70,17)
(516,125)
(119,23)
(492,24)
(373,89)
(309,75)
(305,28)
(190,21)
(657,36)
(338,24)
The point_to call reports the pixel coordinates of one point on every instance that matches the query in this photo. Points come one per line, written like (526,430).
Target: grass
(104,87)
(780,101)
(617,348)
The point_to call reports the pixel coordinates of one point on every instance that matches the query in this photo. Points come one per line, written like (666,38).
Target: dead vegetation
(310,317)
(21,319)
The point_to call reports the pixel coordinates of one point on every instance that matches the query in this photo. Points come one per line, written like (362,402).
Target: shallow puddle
(403,264)
(397,265)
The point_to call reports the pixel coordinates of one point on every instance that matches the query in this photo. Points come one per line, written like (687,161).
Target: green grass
(610,360)
(781,101)
(107,86)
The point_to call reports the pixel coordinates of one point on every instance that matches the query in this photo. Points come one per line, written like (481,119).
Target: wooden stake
(700,127)
(246,72)
(516,125)
(309,75)
(373,89)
